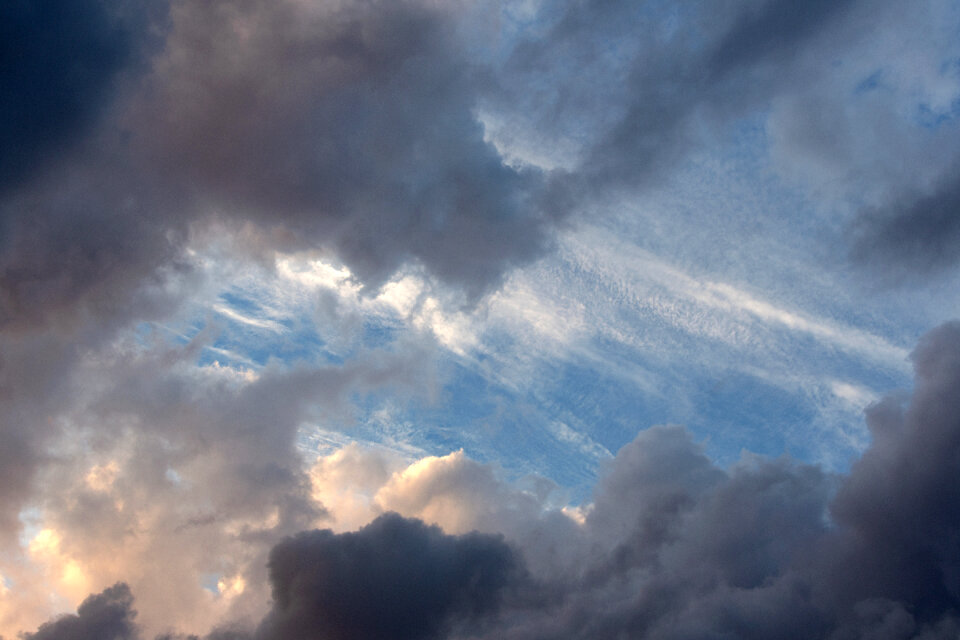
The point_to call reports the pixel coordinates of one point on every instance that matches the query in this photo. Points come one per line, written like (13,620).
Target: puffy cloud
(898,536)
(348,125)
(107,615)
(394,578)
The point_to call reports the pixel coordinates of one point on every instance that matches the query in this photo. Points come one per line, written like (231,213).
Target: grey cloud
(776,549)
(899,529)
(653,78)
(352,129)
(349,126)
(395,578)
(57,63)
(209,462)
(83,253)
(911,235)
(105,616)
(846,119)
(772,31)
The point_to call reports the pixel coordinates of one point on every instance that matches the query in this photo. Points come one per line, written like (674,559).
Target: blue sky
(619,319)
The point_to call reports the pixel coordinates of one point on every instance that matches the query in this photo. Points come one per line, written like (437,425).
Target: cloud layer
(671,546)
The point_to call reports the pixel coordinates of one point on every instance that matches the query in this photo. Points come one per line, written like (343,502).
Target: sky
(529,319)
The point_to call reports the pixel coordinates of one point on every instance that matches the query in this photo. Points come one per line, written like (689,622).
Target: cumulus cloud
(671,546)
(106,615)
(394,578)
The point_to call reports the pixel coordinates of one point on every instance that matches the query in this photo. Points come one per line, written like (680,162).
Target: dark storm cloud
(912,235)
(349,126)
(897,515)
(395,578)
(57,63)
(681,549)
(352,128)
(773,549)
(105,616)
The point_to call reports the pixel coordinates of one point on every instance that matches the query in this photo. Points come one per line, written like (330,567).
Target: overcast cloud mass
(525,319)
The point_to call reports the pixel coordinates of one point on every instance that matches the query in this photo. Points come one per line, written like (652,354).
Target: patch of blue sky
(379,334)
(211,582)
(612,409)
(31,523)
(653,351)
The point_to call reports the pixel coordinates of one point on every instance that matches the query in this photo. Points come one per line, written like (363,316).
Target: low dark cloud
(774,549)
(58,61)
(395,578)
(898,537)
(108,615)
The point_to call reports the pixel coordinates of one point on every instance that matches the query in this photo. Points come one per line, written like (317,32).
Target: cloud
(845,91)
(174,480)
(394,578)
(772,548)
(772,31)
(906,478)
(640,105)
(107,615)
(672,546)
(911,236)
(61,60)
(343,125)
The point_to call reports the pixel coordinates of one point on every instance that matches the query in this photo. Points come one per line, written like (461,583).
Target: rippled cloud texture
(265,264)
